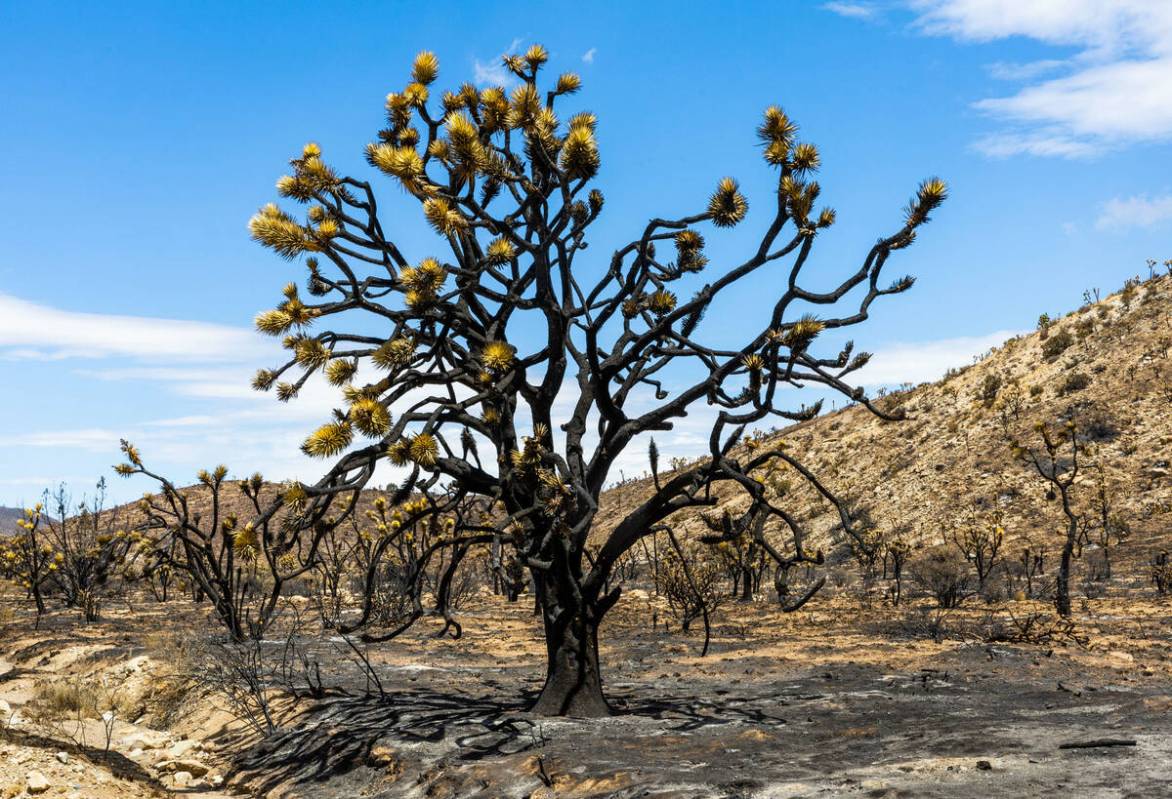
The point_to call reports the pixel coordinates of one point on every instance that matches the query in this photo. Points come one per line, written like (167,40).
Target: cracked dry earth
(838,700)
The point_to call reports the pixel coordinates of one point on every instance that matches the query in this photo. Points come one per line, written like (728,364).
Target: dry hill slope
(1107,365)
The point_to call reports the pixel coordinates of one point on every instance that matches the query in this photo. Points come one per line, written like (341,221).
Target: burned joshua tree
(519,369)
(1059,473)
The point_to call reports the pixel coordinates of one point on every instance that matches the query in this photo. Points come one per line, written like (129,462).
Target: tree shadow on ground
(336,736)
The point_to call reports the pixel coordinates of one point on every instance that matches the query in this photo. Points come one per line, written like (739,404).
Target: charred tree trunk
(747,584)
(1062,591)
(573,681)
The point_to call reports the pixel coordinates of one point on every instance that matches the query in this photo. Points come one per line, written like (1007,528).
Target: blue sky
(137,139)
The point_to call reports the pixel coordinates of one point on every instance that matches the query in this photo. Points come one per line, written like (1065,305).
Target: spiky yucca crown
(438,158)
(465,151)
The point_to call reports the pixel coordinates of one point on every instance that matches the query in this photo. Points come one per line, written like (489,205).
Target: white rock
(62,757)
(181,748)
(182,779)
(145,739)
(36,783)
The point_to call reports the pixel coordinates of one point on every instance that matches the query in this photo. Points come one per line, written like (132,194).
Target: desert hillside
(1106,365)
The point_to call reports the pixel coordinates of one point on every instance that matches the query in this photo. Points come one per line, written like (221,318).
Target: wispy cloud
(588,56)
(32,331)
(1046,143)
(1116,90)
(91,439)
(1122,213)
(1007,70)
(493,73)
(167,363)
(925,361)
(851,10)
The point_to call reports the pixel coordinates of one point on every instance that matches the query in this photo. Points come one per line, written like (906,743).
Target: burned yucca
(519,323)
(727,206)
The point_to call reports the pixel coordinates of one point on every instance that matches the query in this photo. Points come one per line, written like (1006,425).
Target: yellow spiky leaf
(425,69)
(727,205)
(328,440)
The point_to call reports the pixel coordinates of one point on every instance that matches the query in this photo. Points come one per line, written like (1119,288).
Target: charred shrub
(1056,344)
(943,575)
(1075,381)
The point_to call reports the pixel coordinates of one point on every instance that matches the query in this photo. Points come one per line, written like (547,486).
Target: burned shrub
(944,576)
(1162,573)
(1075,381)
(987,393)
(1056,344)
(693,585)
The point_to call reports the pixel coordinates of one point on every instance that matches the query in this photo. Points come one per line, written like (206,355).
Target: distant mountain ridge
(8,519)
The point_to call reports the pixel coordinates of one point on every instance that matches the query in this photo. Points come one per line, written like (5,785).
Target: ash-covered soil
(836,700)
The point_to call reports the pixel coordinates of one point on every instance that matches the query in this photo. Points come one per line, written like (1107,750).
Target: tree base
(573,681)
(568,697)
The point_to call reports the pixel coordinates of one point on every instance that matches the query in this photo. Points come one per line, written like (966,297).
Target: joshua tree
(1060,473)
(91,544)
(240,565)
(1108,528)
(518,370)
(27,559)
(896,549)
(741,556)
(979,539)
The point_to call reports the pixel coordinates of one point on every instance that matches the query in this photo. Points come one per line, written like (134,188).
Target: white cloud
(494,72)
(1116,90)
(1005,70)
(32,331)
(161,360)
(91,439)
(195,420)
(1120,213)
(588,56)
(1045,143)
(852,10)
(925,361)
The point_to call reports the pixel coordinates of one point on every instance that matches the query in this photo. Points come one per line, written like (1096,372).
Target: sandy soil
(838,700)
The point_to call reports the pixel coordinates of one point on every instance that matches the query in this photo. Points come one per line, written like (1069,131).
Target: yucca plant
(239,564)
(95,550)
(452,384)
